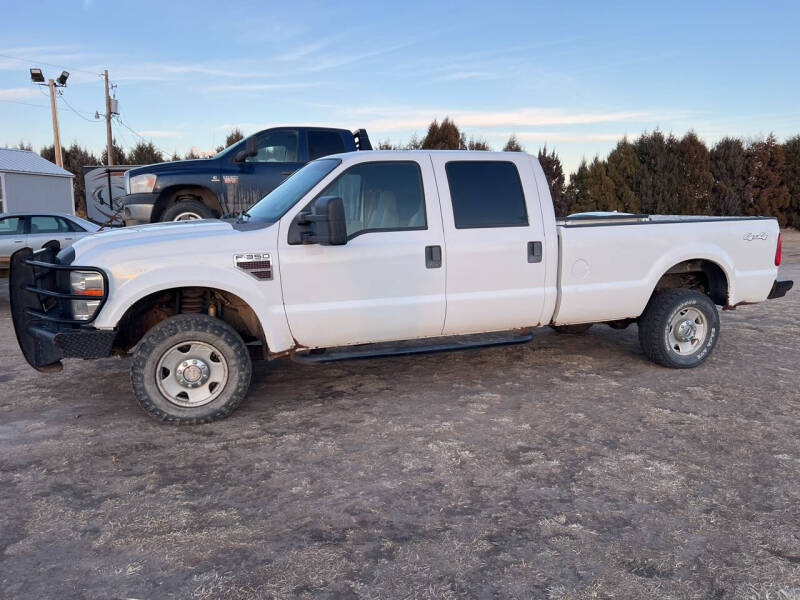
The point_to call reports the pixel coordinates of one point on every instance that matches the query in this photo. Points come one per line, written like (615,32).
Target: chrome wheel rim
(187,216)
(191,374)
(687,331)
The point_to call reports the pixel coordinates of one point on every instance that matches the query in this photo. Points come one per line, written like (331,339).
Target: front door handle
(433,257)
(534,252)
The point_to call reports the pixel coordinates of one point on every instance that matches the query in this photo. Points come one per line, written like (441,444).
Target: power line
(41,62)
(24,103)
(136,133)
(72,108)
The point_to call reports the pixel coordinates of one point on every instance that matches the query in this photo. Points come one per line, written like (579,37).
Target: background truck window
(324,143)
(276,146)
(486,194)
(381,196)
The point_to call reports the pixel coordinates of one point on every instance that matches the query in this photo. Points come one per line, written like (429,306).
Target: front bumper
(45,331)
(779,288)
(138,208)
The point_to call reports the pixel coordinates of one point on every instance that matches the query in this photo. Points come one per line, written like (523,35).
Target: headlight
(141,184)
(89,284)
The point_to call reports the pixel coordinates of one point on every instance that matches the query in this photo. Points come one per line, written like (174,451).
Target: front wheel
(187,209)
(679,328)
(191,369)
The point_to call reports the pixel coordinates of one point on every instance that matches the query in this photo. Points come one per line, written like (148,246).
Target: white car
(375,247)
(18,230)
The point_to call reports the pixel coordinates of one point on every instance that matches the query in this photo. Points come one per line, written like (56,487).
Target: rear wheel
(191,369)
(187,209)
(679,328)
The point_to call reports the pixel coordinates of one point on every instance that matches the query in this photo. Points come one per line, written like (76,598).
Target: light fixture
(62,79)
(37,76)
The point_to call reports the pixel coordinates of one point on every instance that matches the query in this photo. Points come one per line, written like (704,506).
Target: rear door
(324,143)
(495,237)
(388,281)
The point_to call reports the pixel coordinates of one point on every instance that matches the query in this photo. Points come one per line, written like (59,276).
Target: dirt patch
(566,468)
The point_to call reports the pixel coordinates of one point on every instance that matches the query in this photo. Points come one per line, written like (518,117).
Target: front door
(388,281)
(277,157)
(495,239)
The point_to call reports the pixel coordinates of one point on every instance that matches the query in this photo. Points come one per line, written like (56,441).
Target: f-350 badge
(749,237)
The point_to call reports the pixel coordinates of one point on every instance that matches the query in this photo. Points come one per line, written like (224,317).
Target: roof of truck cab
(388,153)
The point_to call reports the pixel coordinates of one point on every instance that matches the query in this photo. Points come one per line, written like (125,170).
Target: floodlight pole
(109,140)
(56,140)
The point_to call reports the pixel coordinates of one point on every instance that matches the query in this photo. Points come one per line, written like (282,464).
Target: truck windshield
(273,206)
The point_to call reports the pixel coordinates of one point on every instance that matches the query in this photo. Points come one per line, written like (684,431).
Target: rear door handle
(534,252)
(433,257)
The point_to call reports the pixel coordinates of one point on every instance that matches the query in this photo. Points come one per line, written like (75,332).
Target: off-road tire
(187,205)
(654,327)
(175,330)
(574,329)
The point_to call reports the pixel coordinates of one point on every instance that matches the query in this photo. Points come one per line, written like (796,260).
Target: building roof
(27,161)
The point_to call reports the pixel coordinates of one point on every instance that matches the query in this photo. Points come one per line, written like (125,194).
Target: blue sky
(575,76)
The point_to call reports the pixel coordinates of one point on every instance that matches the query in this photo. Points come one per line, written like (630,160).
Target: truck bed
(609,263)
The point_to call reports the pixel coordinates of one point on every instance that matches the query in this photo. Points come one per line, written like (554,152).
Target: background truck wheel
(679,328)
(579,328)
(187,209)
(191,369)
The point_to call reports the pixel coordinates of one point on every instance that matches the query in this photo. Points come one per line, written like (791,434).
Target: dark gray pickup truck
(233,180)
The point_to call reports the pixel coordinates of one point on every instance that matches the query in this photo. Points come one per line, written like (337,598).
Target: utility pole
(56,139)
(109,140)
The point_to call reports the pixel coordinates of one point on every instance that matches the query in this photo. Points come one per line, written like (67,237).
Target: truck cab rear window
(324,143)
(486,194)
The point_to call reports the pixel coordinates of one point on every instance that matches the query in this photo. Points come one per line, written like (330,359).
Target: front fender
(128,285)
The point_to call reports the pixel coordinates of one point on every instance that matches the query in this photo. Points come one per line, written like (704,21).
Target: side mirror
(326,225)
(250,149)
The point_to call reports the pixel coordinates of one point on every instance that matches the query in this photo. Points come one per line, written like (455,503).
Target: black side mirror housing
(250,149)
(325,225)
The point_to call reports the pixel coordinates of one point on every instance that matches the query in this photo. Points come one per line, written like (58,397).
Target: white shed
(30,183)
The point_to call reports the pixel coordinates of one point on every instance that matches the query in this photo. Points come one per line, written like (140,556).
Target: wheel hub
(686,331)
(192,373)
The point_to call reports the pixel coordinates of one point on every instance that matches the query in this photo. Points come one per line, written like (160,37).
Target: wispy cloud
(160,133)
(18,93)
(257,87)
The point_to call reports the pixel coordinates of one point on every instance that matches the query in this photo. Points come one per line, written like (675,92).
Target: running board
(324,357)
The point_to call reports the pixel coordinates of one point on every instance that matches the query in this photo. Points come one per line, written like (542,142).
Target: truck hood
(176,166)
(194,233)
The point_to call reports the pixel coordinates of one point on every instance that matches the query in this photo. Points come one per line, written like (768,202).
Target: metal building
(29,183)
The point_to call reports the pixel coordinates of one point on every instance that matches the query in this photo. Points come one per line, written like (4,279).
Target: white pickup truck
(365,248)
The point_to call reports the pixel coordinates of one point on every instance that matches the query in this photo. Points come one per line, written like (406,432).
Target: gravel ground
(566,468)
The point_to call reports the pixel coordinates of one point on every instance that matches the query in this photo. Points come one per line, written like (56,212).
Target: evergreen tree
(144,154)
(554,173)
(175,156)
(624,169)
(478,144)
(576,197)
(656,185)
(728,161)
(513,145)
(791,177)
(444,136)
(233,137)
(191,155)
(694,181)
(765,165)
(116,152)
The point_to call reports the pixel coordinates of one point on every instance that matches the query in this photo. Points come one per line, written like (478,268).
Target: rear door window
(324,143)
(486,194)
